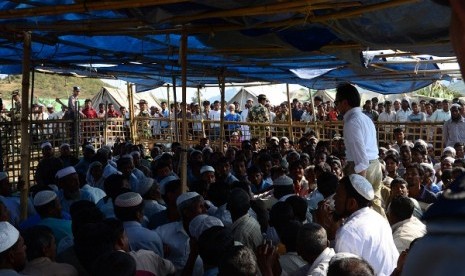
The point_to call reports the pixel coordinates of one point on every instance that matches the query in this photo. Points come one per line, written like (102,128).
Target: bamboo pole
(290,6)
(105,124)
(82,7)
(132,126)
(176,134)
(25,138)
(184,112)
(221,82)
(289,118)
(200,110)
(169,110)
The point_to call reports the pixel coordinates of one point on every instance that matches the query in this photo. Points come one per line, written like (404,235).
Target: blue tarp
(263,47)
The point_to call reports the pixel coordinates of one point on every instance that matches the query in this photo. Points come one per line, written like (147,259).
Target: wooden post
(168,129)
(317,131)
(200,110)
(221,80)
(176,134)
(105,124)
(25,141)
(132,126)
(184,112)
(289,118)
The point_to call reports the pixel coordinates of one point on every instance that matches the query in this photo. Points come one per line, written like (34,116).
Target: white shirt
(404,232)
(367,234)
(214,115)
(319,267)
(175,237)
(387,117)
(440,116)
(360,139)
(402,116)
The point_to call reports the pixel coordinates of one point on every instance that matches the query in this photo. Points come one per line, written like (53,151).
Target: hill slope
(52,86)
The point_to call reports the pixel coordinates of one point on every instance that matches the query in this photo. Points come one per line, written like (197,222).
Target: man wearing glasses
(360,141)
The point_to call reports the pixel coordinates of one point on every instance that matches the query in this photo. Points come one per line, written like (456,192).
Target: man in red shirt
(88,111)
(112,113)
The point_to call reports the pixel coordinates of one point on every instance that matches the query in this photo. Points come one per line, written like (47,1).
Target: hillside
(47,86)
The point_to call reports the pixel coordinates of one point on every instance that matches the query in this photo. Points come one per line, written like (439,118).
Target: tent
(242,96)
(119,98)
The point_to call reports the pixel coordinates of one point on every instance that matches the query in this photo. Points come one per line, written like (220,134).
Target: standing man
(454,128)
(164,113)
(72,101)
(143,122)
(360,141)
(259,114)
(244,114)
(16,102)
(214,115)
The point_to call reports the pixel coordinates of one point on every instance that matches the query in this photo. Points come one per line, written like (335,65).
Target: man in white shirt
(214,115)
(313,248)
(403,113)
(245,128)
(441,115)
(364,232)
(388,115)
(360,140)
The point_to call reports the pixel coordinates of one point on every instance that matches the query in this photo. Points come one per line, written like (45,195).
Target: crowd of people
(310,208)
(306,208)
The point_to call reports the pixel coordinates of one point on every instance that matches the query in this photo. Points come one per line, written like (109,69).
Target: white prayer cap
(65,172)
(40,105)
(9,235)
(145,185)
(89,147)
(3,175)
(285,197)
(45,144)
(449,149)
(166,180)
(201,223)
(274,138)
(44,197)
(283,180)
(207,168)
(129,199)
(343,255)
(449,159)
(284,138)
(456,105)
(184,197)
(128,156)
(362,186)
(428,166)
(49,106)
(64,145)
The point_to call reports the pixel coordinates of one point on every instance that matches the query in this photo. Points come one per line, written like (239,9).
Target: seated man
(12,250)
(40,249)
(405,227)
(49,209)
(129,208)
(313,247)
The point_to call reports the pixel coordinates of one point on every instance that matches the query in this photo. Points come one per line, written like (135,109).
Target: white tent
(242,96)
(120,98)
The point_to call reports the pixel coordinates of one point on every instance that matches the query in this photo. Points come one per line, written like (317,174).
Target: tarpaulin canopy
(244,41)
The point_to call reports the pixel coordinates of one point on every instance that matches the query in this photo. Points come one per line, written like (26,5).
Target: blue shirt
(142,238)
(61,228)
(263,185)
(233,118)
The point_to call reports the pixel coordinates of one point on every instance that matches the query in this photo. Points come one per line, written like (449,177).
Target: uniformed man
(260,114)
(143,125)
